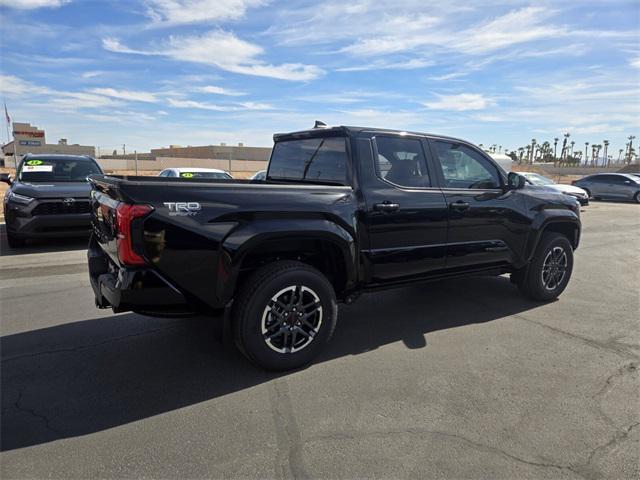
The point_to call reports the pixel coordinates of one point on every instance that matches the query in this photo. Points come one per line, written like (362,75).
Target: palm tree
(555,148)
(572,144)
(620,154)
(630,154)
(606,158)
(564,146)
(586,153)
(500,148)
(528,153)
(521,152)
(594,160)
(533,150)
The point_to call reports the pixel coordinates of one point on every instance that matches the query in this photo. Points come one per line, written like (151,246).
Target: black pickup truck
(343,210)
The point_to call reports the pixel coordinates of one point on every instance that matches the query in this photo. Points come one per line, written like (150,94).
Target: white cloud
(114,45)
(459,102)
(411,64)
(256,106)
(32,4)
(635,62)
(129,95)
(176,12)
(225,51)
(219,91)
(93,74)
(13,86)
(197,105)
(517,26)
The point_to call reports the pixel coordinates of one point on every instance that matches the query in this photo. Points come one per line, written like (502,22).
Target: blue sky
(150,73)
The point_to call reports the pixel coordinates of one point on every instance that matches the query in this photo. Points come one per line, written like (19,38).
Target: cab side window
(401,161)
(463,167)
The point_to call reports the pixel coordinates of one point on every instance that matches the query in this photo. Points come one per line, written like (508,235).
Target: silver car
(620,186)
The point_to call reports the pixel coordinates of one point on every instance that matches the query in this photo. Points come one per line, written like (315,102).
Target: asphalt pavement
(458,379)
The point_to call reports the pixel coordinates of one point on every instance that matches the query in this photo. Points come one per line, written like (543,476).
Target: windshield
(35,170)
(539,179)
(311,159)
(218,175)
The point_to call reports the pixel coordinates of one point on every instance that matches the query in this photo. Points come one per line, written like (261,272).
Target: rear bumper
(132,289)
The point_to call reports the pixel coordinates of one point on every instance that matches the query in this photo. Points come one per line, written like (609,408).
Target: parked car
(48,198)
(571,190)
(621,186)
(344,210)
(261,175)
(185,172)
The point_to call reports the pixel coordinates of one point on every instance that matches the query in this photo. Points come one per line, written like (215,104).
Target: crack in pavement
(610,345)
(92,345)
(290,462)
(421,432)
(625,369)
(584,470)
(33,413)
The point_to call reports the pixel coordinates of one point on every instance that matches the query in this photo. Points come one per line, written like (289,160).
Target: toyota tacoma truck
(342,211)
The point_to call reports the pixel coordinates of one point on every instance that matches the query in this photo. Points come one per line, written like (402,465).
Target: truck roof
(346,130)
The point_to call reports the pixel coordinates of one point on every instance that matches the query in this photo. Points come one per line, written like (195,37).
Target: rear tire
(548,273)
(284,315)
(15,242)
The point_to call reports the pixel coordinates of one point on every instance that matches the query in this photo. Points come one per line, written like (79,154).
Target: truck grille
(60,208)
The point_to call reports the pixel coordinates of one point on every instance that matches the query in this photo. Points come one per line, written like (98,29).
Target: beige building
(217,152)
(30,139)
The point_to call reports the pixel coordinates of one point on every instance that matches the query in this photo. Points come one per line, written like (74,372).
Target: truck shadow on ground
(84,377)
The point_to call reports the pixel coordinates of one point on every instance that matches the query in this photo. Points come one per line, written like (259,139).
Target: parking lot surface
(458,379)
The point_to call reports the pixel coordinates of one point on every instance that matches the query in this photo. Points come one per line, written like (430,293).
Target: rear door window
(401,161)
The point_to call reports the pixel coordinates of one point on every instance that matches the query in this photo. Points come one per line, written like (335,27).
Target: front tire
(549,272)
(637,197)
(284,315)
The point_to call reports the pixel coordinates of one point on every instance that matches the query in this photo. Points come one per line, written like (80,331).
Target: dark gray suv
(620,186)
(49,197)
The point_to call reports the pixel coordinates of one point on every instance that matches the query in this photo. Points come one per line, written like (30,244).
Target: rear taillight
(125,214)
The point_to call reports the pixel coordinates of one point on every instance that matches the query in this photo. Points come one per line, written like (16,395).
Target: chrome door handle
(459,205)
(386,207)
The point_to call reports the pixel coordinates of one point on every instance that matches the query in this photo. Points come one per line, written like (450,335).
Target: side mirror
(515,181)
(6,178)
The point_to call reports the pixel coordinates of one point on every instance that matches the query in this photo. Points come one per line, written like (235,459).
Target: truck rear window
(311,159)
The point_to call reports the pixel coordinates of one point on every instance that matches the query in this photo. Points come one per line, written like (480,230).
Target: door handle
(386,207)
(459,205)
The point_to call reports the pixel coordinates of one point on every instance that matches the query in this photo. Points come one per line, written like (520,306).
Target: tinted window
(312,159)
(463,167)
(401,161)
(598,179)
(56,170)
(164,173)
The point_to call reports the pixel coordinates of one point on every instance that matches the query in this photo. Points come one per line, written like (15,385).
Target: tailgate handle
(459,205)
(386,207)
